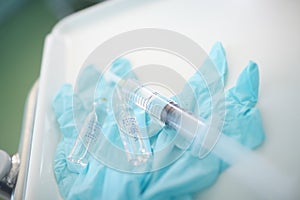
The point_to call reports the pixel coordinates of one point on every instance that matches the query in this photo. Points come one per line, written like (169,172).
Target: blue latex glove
(179,180)
(93,181)
(242,122)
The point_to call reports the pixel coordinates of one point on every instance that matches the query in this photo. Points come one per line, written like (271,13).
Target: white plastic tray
(266,32)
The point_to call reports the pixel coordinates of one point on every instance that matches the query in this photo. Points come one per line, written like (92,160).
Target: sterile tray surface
(268,33)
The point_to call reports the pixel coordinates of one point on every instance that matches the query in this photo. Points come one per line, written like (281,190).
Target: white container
(266,32)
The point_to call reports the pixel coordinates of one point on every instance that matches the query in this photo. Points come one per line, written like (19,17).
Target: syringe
(189,127)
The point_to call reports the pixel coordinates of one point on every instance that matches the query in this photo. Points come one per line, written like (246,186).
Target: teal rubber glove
(186,176)
(242,122)
(91,181)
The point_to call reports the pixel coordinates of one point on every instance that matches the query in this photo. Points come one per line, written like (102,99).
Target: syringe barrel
(144,97)
(191,130)
(188,126)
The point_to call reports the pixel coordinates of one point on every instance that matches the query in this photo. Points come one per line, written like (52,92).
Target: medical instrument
(88,134)
(167,111)
(135,142)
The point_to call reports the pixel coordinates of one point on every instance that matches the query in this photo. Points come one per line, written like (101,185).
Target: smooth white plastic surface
(265,31)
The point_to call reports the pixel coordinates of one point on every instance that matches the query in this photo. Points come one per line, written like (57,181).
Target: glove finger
(62,101)
(62,106)
(87,79)
(246,89)
(120,67)
(243,121)
(218,57)
(196,91)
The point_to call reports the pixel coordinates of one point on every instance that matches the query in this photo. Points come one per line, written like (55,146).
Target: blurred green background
(24,25)
(22,34)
